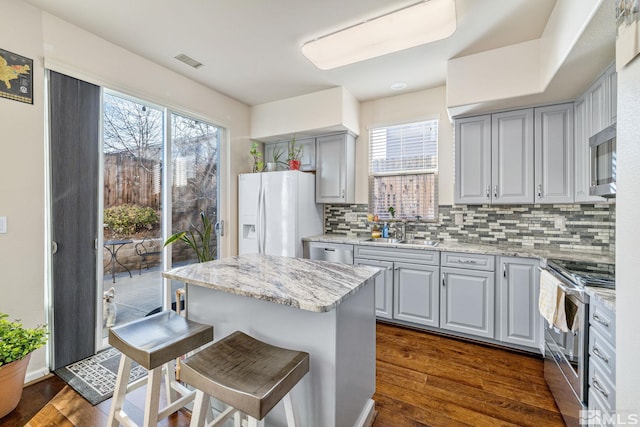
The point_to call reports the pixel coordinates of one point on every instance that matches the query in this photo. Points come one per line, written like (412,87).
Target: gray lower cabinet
(467,299)
(602,358)
(384,286)
(519,321)
(415,293)
(407,290)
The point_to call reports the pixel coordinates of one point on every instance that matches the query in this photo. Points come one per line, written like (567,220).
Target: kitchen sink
(421,242)
(384,240)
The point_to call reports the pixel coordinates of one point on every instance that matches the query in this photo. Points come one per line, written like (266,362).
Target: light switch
(351,217)
(3,224)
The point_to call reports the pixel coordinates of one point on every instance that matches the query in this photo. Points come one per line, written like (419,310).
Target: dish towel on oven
(551,302)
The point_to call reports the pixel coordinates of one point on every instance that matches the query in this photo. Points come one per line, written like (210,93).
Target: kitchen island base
(338,390)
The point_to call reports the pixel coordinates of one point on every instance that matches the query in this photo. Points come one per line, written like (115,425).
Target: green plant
(126,219)
(277,153)
(392,211)
(198,240)
(17,341)
(294,152)
(258,164)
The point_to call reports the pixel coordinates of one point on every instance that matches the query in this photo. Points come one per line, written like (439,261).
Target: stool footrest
(170,409)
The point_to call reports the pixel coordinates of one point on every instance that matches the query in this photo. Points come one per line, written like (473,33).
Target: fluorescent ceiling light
(412,26)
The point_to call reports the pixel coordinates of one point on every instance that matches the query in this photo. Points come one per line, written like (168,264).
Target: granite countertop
(480,248)
(604,295)
(607,296)
(317,286)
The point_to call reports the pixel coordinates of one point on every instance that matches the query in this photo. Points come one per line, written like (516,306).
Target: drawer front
(398,254)
(597,403)
(603,319)
(601,350)
(470,261)
(601,385)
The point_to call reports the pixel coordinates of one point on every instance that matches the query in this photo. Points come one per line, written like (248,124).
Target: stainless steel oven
(566,353)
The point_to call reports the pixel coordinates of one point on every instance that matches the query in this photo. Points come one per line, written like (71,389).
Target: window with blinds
(403,170)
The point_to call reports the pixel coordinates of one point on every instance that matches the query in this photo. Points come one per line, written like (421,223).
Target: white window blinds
(403,167)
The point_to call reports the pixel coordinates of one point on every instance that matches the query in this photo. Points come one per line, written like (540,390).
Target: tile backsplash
(585,228)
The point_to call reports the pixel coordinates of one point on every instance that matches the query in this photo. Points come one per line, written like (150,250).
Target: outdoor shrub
(125,220)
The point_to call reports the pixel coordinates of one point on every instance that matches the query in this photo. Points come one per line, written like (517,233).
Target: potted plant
(198,239)
(276,154)
(294,154)
(258,164)
(16,345)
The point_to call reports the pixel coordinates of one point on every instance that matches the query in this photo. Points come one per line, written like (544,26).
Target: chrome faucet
(400,230)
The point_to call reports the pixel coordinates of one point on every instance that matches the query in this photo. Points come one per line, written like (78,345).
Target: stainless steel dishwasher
(334,252)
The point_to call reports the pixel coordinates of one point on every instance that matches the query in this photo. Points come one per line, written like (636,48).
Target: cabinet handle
(598,387)
(342,193)
(600,320)
(467,261)
(504,270)
(540,190)
(604,358)
(488,191)
(389,268)
(443,283)
(495,192)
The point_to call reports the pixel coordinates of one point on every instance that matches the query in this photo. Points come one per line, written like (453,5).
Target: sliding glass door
(160,172)
(194,191)
(133,147)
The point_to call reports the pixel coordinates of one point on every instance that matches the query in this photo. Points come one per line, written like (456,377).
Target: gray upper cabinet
(473,160)
(519,320)
(598,114)
(554,154)
(335,168)
(512,154)
(494,158)
(611,78)
(593,111)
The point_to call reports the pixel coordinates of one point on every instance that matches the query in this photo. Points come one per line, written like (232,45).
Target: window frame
(427,210)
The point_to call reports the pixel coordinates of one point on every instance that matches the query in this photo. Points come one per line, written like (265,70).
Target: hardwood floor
(422,380)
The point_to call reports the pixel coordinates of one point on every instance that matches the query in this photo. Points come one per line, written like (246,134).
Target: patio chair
(145,252)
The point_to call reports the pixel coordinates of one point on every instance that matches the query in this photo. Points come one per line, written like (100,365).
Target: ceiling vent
(189,60)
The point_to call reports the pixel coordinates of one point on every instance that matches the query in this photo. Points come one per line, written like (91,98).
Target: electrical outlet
(458,219)
(3,224)
(351,217)
(560,222)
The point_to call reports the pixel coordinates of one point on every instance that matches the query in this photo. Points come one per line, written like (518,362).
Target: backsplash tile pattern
(587,228)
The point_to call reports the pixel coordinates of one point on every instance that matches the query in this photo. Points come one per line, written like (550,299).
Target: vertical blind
(403,170)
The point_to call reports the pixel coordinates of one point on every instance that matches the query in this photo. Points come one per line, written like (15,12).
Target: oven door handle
(561,285)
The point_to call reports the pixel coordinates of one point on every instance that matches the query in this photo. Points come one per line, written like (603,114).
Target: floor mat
(95,377)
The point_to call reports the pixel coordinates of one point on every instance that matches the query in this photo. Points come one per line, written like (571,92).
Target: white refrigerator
(275,211)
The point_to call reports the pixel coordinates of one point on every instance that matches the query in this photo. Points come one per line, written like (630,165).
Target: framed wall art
(16,77)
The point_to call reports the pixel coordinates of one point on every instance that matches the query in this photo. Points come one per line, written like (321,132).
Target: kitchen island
(323,308)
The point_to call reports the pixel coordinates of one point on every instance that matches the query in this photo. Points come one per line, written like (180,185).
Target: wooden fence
(129,180)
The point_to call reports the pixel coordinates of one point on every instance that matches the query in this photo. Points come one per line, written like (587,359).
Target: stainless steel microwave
(603,162)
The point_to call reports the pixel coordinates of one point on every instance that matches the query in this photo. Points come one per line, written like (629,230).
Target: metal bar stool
(247,374)
(154,342)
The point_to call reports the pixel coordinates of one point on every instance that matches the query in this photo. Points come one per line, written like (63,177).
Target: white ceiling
(251,48)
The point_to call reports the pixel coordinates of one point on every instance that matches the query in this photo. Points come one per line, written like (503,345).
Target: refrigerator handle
(258,216)
(263,226)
